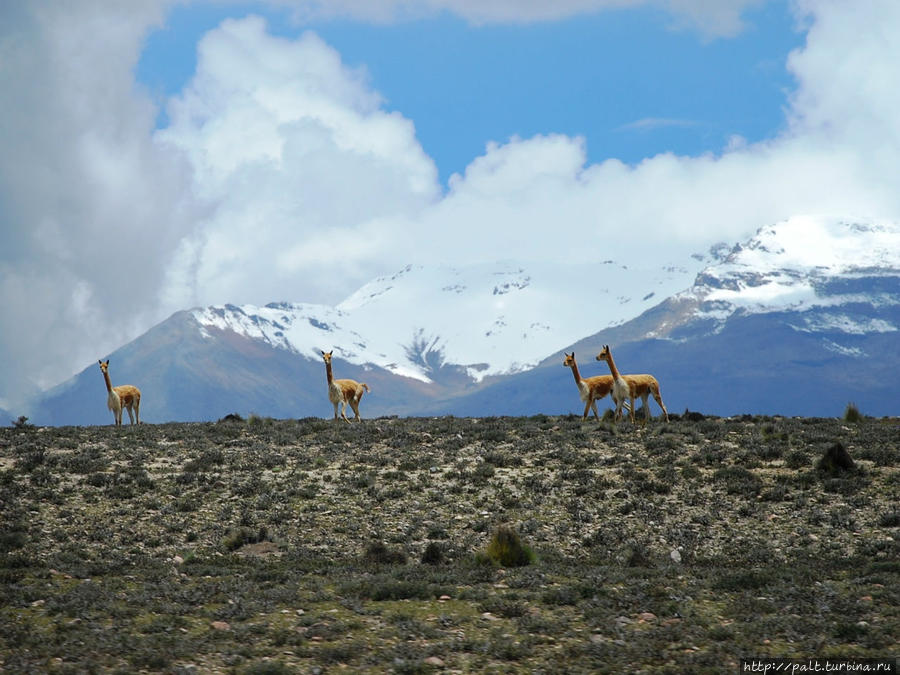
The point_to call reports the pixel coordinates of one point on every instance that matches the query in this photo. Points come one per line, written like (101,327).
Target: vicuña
(591,389)
(642,385)
(123,396)
(343,392)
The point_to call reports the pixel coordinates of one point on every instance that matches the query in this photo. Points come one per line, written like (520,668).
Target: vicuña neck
(612,366)
(328,373)
(574,367)
(108,383)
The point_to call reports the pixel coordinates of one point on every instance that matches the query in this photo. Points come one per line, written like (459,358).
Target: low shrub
(507,549)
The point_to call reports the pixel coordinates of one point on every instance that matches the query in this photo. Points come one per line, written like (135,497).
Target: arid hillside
(416,545)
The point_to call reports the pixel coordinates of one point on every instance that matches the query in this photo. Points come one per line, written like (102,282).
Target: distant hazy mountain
(800,319)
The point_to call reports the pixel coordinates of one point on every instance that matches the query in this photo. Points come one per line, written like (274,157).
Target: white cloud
(282,176)
(91,207)
(653,123)
(295,152)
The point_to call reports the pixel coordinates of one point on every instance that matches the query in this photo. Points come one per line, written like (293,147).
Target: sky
(161,154)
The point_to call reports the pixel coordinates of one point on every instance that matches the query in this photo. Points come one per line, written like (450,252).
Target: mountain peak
(798,264)
(482,319)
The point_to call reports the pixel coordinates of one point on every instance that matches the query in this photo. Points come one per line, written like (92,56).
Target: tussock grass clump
(738,480)
(852,414)
(796,459)
(889,519)
(241,536)
(506,549)
(379,553)
(636,553)
(835,460)
(433,554)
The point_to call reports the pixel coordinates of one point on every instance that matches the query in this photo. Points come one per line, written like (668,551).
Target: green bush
(433,553)
(379,554)
(507,549)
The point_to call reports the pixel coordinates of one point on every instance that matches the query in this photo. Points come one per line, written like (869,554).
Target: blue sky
(170,154)
(626,80)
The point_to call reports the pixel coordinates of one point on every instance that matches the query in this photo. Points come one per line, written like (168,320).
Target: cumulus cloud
(296,154)
(91,207)
(282,176)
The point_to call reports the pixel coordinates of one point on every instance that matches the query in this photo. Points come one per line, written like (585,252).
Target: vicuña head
(569,361)
(343,392)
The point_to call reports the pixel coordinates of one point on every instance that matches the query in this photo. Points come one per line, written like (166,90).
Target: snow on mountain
(803,263)
(487,319)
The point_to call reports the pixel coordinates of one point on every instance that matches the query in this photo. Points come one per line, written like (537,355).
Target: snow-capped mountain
(800,319)
(806,263)
(480,321)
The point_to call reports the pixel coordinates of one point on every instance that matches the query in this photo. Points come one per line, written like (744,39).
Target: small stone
(220,625)
(434,661)
(647,616)
(675,555)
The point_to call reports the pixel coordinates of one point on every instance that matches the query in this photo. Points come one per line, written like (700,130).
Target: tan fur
(642,386)
(591,389)
(124,396)
(639,385)
(621,389)
(343,392)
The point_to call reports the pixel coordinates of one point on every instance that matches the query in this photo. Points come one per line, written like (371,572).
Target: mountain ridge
(488,339)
